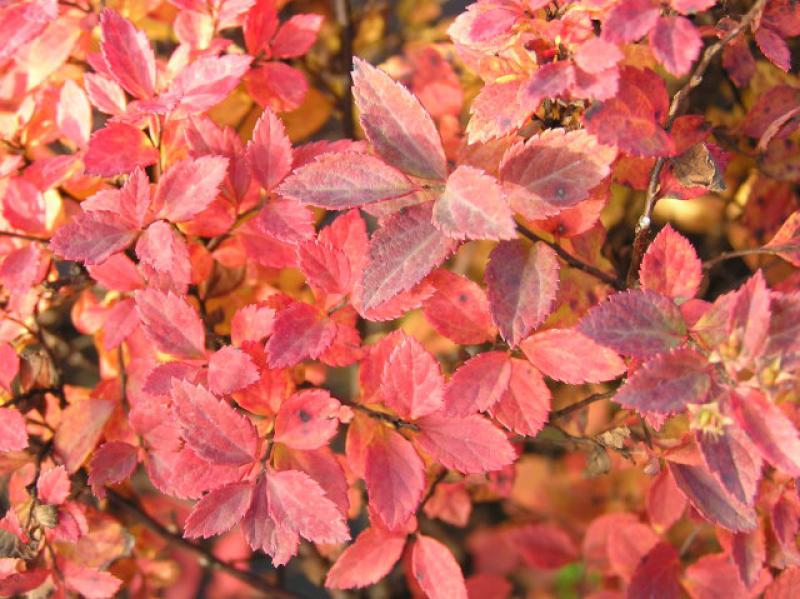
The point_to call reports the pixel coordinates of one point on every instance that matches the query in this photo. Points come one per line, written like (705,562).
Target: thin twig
(257,582)
(775,249)
(572,260)
(24,236)
(640,242)
(395,421)
(344,17)
(579,405)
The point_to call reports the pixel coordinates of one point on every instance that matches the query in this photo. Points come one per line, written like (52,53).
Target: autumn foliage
(298,298)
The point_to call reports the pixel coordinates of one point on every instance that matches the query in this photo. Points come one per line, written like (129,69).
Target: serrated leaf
(525,406)
(229,370)
(657,574)
(477,384)
(92,237)
(436,570)
(412,383)
(104,158)
(265,534)
(786,241)
(206,82)
(395,478)
(522,281)
(218,511)
(307,420)
(396,124)
(170,323)
(188,187)
(630,20)
(401,253)
(635,323)
(371,557)
(212,428)
(470,444)
(300,331)
(296,35)
(270,151)
(671,266)
(112,463)
(733,461)
(458,308)
(128,55)
(567,355)
(553,171)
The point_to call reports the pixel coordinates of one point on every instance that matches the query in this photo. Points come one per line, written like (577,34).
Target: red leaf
(367,560)
(89,582)
(595,55)
(628,543)
(73,114)
(525,405)
(478,384)
(207,81)
(785,586)
(323,466)
(307,420)
(81,425)
(553,171)
(164,257)
(260,25)
(286,220)
(91,237)
(301,331)
(748,551)
(171,323)
(296,36)
(21,582)
(522,281)
(395,478)
(412,383)
(544,546)
(473,206)
(733,461)
(401,253)
(676,44)
(436,570)
(277,85)
(749,318)
(270,151)
(104,156)
(298,502)
(786,241)
(713,576)
(104,94)
(212,428)
(344,180)
(470,445)
(229,370)
(188,187)
(773,434)
(458,309)
(53,486)
(112,463)
(119,323)
(218,511)
(117,272)
(671,266)
(548,81)
(774,47)
(665,502)
(262,532)
(252,323)
(772,116)
(630,120)
(711,500)
(23,267)
(630,20)
(396,124)
(657,575)
(496,111)
(635,323)
(127,54)
(667,383)
(567,355)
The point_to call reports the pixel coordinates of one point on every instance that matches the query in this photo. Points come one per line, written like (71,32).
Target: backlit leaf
(671,266)
(436,570)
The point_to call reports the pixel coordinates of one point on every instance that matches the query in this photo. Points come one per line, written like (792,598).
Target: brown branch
(257,582)
(579,405)
(23,236)
(572,260)
(344,17)
(640,242)
(395,421)
(776,249)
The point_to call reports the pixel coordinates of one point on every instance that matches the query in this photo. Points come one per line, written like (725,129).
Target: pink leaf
(635,323)
(567,355)
(91,237)
(412,383)
(785,586)
(671,266)
(286,220)
(470,444)
(522,281)
(270,151)
(657,575)
(301,331)
(9,368)
(298,502)
(164,257)
(325,266)
(73,114)
(496,111)
(371,557)
(733,461)
(553,171)
(401,253)
(104,94)
(711,500)
(396,124)
(171,323)
(252,323)
(786,241)
(770,430)
(212,428)
(117,272)
(277,85)
(343,180)
(395,478)
(89,582)
(749,552)
(713,576)
(296,36)
(525,405)
(207,81)
(53,486)
(264,533)
(118,149)
(676,44)
(667,383)
(260,25)
(112,463)
(774,47)
(478,384)
(473,206)
(188,187)
(548,81)
(436,570)
(630,20)
(230,369)
(218,511)
(81,425)
(544,546)
(665,502)
(595,55)
(458,309)
(307,420)
(23,268)
(127,54)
